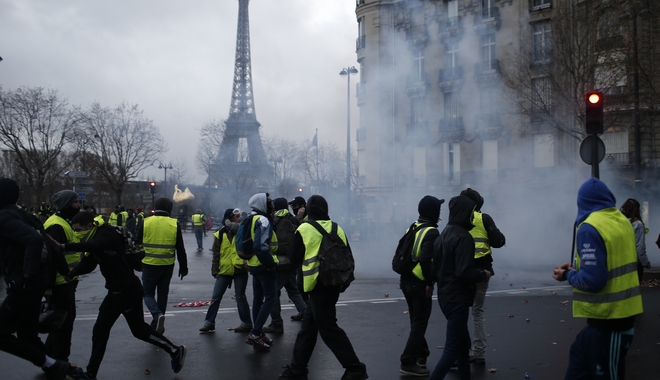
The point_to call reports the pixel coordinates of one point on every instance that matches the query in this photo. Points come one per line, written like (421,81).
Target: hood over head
(475,197)
(429,208)
(593,195)
(317,208)
(259,203)
(164,204)
(9,191)
(461,209)
(280,204)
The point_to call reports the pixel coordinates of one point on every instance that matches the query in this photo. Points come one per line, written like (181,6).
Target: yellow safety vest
(478,232)
(312,240)
(254,260)
(113,219)
(229,260)
(99,220)
(124,217)
(159,240)
(621,297)
(417,249)
(197,220)
(72,258)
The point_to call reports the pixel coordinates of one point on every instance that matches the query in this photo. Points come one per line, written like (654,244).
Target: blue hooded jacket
(593,196)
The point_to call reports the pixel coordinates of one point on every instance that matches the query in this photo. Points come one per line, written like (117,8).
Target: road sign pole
(594,156)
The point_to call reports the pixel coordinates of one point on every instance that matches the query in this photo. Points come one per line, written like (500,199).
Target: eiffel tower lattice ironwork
(242,121)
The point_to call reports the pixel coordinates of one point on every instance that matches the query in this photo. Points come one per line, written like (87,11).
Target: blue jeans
(223,282)
(199,232)
(286,278)
(156,277)
(457,343)
(264,288)
(599,354)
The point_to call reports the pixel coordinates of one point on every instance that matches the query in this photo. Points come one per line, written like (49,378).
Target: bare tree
(124,142)
(210,139)
(285,156)
(36,127)
(179,172)
(323,166)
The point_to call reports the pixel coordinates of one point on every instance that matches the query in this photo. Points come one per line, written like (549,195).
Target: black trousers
(19,314)
(419,310)
(129,304)
(58,343)
(320,318)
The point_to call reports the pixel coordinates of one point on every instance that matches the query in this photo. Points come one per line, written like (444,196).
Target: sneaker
(477,360)
(160,324)
(274,328)
(266,339)
(421,362)
(298,317)
(81,375)
(242,329)
(179,358)
(288,374)
(57,371)
(413,370)
(207,328)
(257,342)
(350,375)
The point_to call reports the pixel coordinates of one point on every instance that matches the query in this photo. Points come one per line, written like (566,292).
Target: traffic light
(300,189)
(594,112)
(152,187)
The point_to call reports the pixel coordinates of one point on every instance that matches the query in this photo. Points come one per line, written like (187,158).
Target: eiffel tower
(242,121)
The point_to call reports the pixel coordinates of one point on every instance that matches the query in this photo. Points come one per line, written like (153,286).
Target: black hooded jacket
(453,263)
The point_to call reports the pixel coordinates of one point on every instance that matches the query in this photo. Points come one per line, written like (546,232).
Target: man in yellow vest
(198,220)
(320,316)
(114,217)
(417,287)
(67,205)
(486,236)
(161,237)
(605,285)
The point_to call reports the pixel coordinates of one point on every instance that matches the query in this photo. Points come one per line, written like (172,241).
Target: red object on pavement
(193,304)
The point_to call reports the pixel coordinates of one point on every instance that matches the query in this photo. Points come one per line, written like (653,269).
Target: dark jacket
(496,239)
(22,258)
(285,228)
(453,262)
(425,256)
(106,249)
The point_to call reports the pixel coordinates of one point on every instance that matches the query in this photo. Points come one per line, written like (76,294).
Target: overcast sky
(175,59)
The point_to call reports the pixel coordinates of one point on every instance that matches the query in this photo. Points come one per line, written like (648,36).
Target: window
(451,55)
(419,165)
(451,106)
(417,111)
(610,76)
(489,155)
(542,49)
(418,65)
(487,9)
(361,31)
(541,4)
(541,96)
(616,145)
(544,150)
(452,161)
(488,100)
(360,43)
(452,8)
(488,48)
(362,76)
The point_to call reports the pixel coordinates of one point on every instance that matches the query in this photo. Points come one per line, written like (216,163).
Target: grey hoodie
(262,230)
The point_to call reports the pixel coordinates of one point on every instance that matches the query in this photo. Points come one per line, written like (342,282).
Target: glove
(183,272)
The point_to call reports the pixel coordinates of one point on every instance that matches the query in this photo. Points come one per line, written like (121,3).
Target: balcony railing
(358,3)
(418,129)
(452,129)
(418,35)
(487,68)
(451,74)
(360,88)
(537,5)
(489,125)
(487,15)
(417,84)
(360,43)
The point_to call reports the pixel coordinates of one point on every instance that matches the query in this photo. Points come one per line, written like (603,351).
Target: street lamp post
(165,167)
(348,72)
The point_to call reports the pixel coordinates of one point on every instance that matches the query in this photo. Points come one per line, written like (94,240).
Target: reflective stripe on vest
(197,220)
(254,260)
(312,240)
(72,258)
(159,240)
(478,232)
(417,249)
(229,260)
(621,297)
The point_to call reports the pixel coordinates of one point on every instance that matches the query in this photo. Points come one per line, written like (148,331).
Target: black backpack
(403,261)
(244,243)
(336,263)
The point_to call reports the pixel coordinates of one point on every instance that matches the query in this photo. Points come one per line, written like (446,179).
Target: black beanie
(429,208)
(63,199)
(164,204)
(475,197)
(9,191)
(280,204)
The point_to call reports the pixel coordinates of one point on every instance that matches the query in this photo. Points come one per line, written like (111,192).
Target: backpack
(336,263)
(244,242)
(403,261)
(284,229)
(134,252)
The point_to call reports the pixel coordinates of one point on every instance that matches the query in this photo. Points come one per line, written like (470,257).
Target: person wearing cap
(63,296)
(486,236)
(22,240)
(161,237)
(226,267)
(417,286)
(284,226)
(299,208)
(198,220)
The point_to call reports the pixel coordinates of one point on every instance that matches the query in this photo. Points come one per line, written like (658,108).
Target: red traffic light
(152,184)
(593,98)
(300,189)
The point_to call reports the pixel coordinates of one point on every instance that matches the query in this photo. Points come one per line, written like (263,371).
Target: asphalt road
(528,320)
